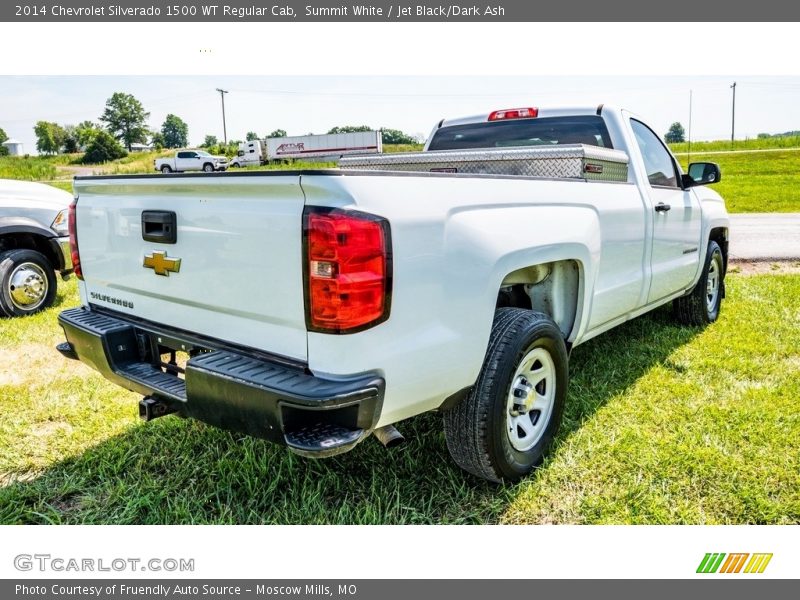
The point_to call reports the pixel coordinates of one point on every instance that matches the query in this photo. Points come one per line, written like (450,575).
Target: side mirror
(702,173)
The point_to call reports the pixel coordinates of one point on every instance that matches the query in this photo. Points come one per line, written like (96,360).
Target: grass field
(756,181)
(664,425)
(749,144)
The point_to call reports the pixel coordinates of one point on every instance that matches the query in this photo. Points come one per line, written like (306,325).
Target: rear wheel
(506,424)
(27,282)
(166,169)
(701,306)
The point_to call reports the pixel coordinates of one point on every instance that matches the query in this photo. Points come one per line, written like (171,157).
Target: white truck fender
(715,216)
(496,245)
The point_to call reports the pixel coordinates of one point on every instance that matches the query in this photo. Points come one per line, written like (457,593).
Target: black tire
(476,428)
(208,168)
(13,266)
(699,308)
(166,169)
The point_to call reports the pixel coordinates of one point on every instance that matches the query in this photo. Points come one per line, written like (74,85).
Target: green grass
(36,168)
(749,144)
(390,148)
(757,181)
(664,424)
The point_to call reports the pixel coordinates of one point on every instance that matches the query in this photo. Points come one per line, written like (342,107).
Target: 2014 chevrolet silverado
(316,307)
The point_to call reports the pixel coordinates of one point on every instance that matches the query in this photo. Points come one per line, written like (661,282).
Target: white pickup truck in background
(314,308)
(191,160)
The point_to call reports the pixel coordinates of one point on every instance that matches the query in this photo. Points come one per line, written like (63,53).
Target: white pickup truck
(314,308)
(191,160)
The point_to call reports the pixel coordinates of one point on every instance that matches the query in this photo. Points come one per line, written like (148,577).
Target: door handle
(159,226)
(661,207)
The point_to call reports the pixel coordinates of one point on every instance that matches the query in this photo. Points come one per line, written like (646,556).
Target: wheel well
(720,235)
(551,288)
(30,241)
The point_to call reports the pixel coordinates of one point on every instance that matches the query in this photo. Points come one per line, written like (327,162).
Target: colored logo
(162,265)
(741,562)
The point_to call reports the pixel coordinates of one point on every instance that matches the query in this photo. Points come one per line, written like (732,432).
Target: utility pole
(733,113)
(224,128)
(689,137)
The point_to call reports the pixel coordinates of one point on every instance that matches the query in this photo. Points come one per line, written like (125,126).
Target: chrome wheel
(531,399)
(27,286)
(713,281)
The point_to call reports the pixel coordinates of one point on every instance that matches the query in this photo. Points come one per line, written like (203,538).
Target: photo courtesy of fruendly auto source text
(387,299)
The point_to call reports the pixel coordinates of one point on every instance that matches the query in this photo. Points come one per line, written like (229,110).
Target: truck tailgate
(239,242)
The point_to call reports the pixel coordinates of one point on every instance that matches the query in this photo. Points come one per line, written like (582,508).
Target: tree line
(124,123)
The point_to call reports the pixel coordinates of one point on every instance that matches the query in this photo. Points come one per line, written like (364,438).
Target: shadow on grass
(180,471)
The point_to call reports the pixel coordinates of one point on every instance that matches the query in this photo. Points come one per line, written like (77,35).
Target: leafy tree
(71,145)
(675,134)
(49,137)
(125,119)
(103,148)
(350,129)
(210,140)
(85,132)
(175,132)
(277,133)
(3,138)
(395,136)
(251,136)
(764,136)
(157,139)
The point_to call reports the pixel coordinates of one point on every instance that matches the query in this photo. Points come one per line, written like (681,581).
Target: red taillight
(514,113)
(73,240)
(348,270)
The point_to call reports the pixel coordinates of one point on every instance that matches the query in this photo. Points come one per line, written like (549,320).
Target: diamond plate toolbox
(573,161)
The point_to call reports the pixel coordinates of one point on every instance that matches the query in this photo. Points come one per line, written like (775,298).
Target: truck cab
(252,153)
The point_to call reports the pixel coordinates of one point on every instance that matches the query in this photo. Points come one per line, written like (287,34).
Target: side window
(657,160)
(185,154)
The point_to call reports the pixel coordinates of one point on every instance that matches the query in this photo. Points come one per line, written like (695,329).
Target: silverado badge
(162,265)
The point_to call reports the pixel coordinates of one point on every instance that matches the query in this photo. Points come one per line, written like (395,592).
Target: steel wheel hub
(712,284)
(27,286)
(530,399)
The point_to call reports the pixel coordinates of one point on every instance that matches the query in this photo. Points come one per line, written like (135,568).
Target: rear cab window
(549,131)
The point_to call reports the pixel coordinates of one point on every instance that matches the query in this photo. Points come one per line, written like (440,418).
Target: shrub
(103,148)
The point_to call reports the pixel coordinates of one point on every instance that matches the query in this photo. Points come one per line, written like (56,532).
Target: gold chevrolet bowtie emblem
(162,265)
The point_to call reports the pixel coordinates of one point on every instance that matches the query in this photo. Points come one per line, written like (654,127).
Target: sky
(314,104)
